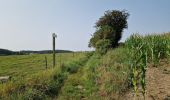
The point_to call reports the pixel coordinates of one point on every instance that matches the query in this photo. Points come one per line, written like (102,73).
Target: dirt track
(158,84)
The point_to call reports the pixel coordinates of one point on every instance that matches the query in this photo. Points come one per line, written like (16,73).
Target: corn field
(145,50)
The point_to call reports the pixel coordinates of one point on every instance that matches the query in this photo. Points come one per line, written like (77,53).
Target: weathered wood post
(54,36)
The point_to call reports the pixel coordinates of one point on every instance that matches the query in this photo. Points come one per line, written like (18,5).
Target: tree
(110,27)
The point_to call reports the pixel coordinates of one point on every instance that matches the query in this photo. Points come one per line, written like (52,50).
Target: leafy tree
(110,27)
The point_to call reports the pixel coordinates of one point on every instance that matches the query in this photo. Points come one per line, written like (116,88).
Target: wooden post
(45,62)
(54,36)
(53,51)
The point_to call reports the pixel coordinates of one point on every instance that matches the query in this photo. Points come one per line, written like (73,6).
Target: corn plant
(143,50)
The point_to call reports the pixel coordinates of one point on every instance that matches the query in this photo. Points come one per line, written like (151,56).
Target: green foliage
(55,85)
(81,84)
(156,46)
(113,73)
(103,45)
(87,75)
(99,78)
(72,69)
(34,94)
(44,84)
(143,50)
(89,54)
(104,32)
(110,26)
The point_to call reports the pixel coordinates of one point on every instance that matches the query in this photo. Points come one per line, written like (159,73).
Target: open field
(29,71)
(127,71)
(22,65)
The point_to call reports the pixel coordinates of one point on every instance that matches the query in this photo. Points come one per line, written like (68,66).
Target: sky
(29,24)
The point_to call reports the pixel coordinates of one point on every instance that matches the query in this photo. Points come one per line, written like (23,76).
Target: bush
(89,54)
(53,88)
(102,46)
(33,94)
(72,69)
(56,84)
(110,26)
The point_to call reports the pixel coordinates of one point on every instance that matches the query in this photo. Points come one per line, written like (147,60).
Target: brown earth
(157,86)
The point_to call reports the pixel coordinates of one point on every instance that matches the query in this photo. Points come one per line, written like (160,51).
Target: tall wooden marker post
(54,36)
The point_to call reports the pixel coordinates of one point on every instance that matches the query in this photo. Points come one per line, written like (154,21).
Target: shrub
(110,26)
(72,67)
(33,94)
(102,46)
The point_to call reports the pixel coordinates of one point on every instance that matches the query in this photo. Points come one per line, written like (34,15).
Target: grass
(103,77)
(84,75)
(113,73)
(24,65)
(41,84)
(109,76)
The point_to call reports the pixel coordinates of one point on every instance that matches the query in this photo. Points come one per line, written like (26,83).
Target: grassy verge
(43,85)
(104,77)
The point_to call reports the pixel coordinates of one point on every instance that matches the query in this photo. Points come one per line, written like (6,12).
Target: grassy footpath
(104,77)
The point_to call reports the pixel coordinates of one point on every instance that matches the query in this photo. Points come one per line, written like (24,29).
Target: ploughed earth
(157,86)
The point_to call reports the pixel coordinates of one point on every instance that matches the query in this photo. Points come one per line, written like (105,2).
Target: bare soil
(157,86)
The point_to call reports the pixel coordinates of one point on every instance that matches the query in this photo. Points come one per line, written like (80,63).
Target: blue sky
(28,24)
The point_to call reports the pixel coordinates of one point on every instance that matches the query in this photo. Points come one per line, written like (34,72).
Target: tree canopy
(109,28)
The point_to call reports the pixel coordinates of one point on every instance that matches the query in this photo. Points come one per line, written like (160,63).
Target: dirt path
(158,84)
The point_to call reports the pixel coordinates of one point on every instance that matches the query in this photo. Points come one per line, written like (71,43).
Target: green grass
(108,76)
(103,77)
(38,82)
(23,65)
(90,76)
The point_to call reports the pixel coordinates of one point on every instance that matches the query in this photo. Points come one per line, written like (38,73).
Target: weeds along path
(77,86)
(100,78)
(73,84)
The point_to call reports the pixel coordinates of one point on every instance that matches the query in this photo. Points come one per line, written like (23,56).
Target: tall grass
(144,50)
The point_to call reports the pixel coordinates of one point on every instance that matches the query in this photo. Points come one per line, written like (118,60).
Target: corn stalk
(144,50)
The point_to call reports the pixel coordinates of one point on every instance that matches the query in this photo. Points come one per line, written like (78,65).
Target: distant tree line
(9,52)
(6,52)
(44,51)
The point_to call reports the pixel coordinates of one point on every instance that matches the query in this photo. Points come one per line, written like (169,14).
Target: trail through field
(77,86)
(158,83)
(73,87)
